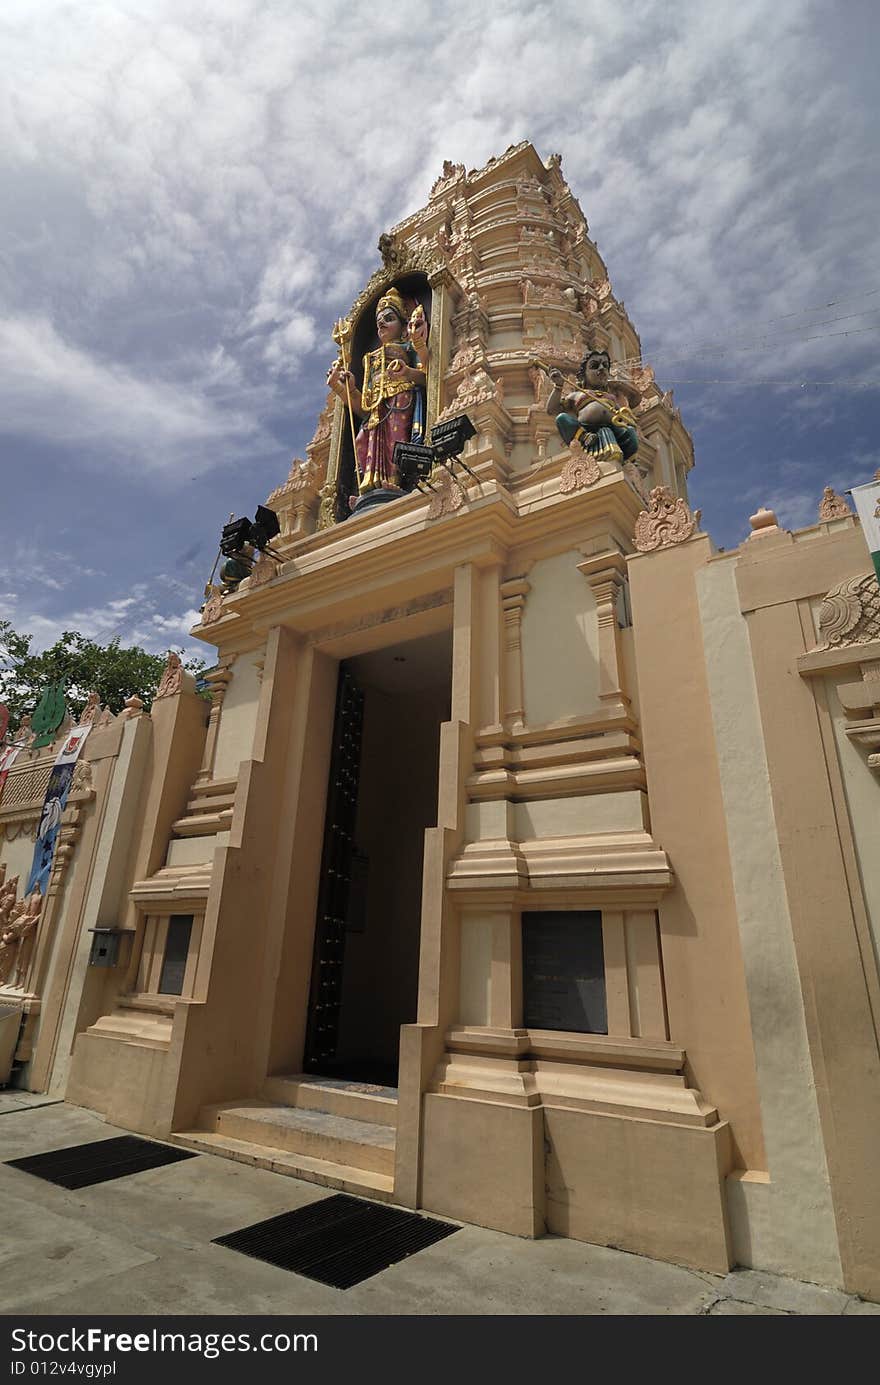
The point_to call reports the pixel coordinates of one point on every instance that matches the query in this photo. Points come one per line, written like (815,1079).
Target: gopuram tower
(446,905)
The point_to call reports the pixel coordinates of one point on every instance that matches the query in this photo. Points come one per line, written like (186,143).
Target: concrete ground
(142,1245)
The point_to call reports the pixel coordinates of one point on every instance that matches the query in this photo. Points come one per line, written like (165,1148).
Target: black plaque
(564,972)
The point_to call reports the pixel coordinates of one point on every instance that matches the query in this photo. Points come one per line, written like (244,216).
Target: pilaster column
(218,680)
(606,573)
(513,600)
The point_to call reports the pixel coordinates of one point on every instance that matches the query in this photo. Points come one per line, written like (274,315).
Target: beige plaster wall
(785,1224)
(862,787)
(475,983)
(238,719)
(17,857)
(105,901)
(560,642)
(706,994)
(193,851)
(581,815)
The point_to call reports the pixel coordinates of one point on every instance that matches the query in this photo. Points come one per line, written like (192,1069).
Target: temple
(523,867)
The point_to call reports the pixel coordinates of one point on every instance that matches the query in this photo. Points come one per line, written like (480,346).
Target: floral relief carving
(832,505)
(580,471)
(448,495)
(666,522)
(476,387)
(850,613)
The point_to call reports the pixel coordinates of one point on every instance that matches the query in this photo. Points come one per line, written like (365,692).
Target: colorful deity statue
(596,415)
(391,400)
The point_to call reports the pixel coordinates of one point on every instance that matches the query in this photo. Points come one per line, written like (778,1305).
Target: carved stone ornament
(91,711)
(172,679)
(213,607)
(82,777)
(850,613)
(448,495)
(264,570)
(476,387)
(832,505)
(325,421)
(326,511)
(451,174)
(580,471)
(666,522)
(18,925)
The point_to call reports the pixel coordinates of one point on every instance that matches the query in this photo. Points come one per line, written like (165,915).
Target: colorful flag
(867,501)
(53,806)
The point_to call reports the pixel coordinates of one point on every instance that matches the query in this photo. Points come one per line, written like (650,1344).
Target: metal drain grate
(339,1241)
(99,1161)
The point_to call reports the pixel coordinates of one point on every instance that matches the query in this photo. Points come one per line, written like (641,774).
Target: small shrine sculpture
(595,415)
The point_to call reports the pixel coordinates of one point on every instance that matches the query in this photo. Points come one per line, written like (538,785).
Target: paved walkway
(142,1245)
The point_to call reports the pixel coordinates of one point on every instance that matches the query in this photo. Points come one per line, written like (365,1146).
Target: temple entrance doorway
(382,795)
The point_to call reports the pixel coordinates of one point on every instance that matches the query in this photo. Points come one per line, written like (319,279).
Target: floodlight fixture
(450,437)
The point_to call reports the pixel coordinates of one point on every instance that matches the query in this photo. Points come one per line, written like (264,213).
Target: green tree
(82,666)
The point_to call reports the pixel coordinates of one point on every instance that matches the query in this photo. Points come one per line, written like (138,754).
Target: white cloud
(56,392)
(195,189)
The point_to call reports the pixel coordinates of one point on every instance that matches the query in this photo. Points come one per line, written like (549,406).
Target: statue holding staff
(391,400)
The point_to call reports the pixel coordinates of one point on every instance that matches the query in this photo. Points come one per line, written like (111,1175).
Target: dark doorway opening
(382,796)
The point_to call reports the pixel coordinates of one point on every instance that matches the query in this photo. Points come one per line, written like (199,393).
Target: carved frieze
(666,522)
(850,613)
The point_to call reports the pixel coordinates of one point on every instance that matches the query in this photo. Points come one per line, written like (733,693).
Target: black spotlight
(449,437)
(259,532)
(414,462)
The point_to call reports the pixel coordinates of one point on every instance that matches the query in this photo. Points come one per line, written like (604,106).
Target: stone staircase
(324,1130)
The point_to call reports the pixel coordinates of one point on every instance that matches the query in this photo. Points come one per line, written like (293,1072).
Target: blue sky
(193,194)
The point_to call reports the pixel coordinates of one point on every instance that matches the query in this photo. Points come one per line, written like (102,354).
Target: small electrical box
(109,946)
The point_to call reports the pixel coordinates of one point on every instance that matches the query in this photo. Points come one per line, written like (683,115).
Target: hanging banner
(6,758)
(867,502)
(57,790)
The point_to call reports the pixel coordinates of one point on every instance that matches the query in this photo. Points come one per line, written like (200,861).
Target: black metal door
(322,1031)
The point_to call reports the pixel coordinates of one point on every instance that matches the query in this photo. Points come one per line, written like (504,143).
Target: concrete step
(359,1101)
(342,1177)
(317,1134)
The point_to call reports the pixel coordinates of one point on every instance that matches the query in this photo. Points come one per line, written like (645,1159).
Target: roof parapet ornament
(667,521)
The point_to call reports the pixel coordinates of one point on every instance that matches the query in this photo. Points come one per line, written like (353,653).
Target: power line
(806,326)
(799,312)
(767,344)
(787,384)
